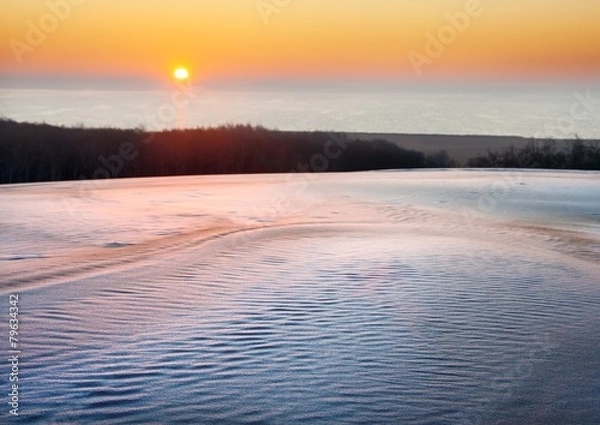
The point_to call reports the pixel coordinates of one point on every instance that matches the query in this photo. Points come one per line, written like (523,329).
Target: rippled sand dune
(386,297)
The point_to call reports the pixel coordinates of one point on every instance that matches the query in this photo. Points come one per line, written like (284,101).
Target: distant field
(459,147)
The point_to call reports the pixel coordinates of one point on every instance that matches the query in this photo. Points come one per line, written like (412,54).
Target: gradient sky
(305,39)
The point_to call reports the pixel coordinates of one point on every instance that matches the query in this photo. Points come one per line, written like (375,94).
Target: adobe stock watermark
(582,108)
(37,31)
(298,180)
(112,165)
(267,8)
(297,184)
(506,382)
(14,352)
(436,43)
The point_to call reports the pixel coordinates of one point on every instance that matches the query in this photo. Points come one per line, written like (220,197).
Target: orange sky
(301,39)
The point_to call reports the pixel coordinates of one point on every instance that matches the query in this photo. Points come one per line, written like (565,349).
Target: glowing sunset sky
(302,39)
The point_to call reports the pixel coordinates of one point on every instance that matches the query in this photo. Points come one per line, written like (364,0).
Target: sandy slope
(57,230)
(390,297)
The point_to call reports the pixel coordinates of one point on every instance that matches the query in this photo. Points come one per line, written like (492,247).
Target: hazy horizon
(264,40)
(562,112)
(443,66)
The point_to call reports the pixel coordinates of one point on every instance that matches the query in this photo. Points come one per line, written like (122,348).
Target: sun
(181,74)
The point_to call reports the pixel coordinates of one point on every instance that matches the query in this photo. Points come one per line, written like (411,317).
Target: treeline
(41,152)
(577,154)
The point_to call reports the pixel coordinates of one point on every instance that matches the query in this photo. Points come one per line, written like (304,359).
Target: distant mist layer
(540,111)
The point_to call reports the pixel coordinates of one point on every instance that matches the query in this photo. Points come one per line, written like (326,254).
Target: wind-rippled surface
(414,320)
